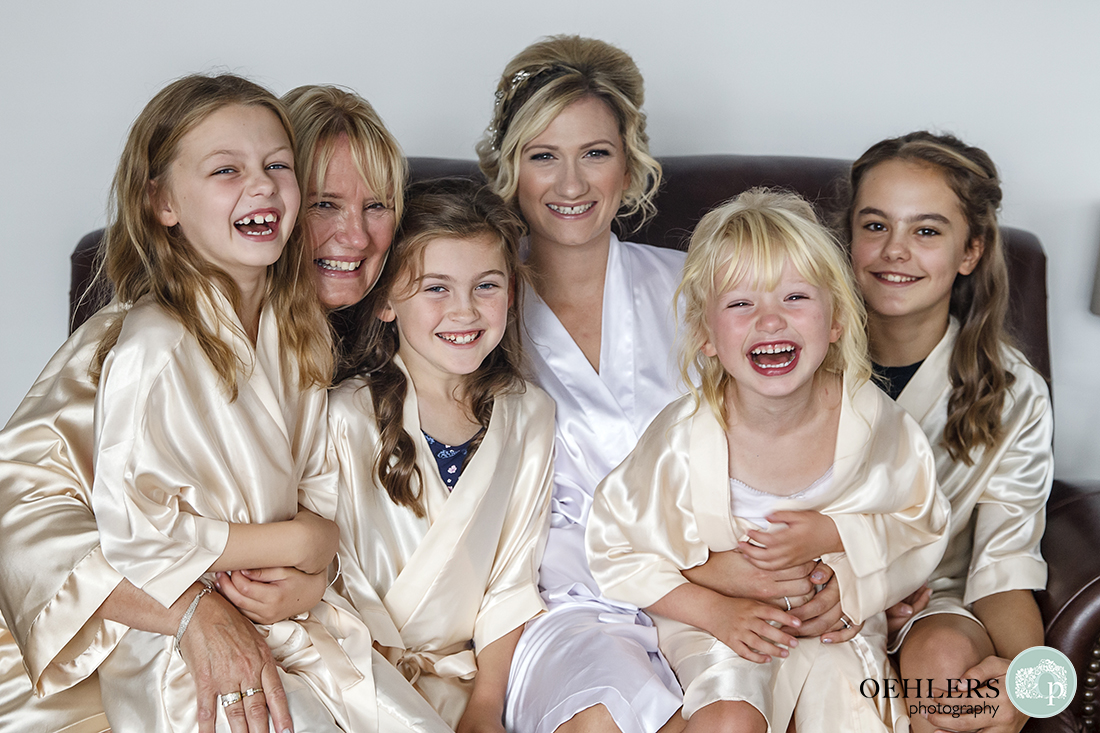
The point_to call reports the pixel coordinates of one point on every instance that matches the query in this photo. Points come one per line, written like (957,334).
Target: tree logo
(1041,682)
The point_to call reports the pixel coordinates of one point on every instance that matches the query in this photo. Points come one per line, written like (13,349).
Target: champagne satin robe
(436,589)
(998,504)
(176,462)
(668,505)
(53,576)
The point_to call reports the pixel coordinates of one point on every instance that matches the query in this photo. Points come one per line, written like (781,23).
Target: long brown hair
(462,209)
(979,378)
(141,257)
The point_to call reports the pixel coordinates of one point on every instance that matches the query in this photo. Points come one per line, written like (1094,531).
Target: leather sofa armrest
(1070,605)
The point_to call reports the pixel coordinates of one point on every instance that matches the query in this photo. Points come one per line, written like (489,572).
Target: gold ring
(229,699)
(253,691)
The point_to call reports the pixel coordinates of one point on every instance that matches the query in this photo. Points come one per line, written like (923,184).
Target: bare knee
(943,647)
(728,716)
(596,719)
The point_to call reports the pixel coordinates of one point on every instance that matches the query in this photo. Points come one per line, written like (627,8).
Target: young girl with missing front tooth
(928,256)
(210,425)
(785,452)
(445,456)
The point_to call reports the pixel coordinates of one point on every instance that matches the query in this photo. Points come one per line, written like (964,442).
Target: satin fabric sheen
(53,577)
(590,650)
(668,505)
(176,462)
(998,505)
(434,589)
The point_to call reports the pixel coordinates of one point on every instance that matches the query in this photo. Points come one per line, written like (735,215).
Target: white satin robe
(53,577)
(998,504)
(176,462)
(590,650)
(434,589)
(668,506)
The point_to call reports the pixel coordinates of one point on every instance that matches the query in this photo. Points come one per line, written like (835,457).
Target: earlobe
(835,332)
(708,349)
(387,314)
(972,256)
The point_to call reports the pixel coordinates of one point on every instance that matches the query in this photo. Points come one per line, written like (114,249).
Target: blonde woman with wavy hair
(928,255)
(567,147)
(787,454)
(352,174)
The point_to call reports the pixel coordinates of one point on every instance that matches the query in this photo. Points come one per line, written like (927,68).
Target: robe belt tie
(457,660)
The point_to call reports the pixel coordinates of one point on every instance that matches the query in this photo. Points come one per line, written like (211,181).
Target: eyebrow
(448,278)
(872,211)
(548,146)
(215,153)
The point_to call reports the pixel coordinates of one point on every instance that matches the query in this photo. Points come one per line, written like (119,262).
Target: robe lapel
(710,493)
(926,389)
(454,530)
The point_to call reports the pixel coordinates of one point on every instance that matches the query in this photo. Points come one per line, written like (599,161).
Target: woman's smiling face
(572,176)
(350,229)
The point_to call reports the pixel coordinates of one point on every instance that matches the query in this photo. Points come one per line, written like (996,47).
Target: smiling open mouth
(339,265)
(891,277)
(256,225)
(571,210)
(461,339)
(773,356)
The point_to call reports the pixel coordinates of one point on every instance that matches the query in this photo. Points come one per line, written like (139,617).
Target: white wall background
(1019,78)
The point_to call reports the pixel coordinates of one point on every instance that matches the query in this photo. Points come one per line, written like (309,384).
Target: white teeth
(892,278)
(455,338)
(772,349)
(339,265)
(257,219)
(578,209)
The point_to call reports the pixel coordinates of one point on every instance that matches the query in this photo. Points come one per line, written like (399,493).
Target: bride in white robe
(599,333)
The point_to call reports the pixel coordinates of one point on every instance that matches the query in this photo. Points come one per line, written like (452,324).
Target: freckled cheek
(319,232)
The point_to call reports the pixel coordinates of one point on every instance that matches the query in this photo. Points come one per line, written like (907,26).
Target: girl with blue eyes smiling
(928,256)
(444,454)
(785,452)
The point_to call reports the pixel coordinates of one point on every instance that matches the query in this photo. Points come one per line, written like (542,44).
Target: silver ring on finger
(229,699)
(844,620)
(253,691)
(788,602)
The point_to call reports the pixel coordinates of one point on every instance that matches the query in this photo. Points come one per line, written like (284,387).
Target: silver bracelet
(209,588)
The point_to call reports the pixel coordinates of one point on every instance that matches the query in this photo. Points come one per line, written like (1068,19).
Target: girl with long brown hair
(928,256)
(445,456)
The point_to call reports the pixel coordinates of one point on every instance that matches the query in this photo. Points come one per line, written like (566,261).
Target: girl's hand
(899,614)
(808,535)
(270,595)
(731,574)
(1007,720)
(743,626)
(316,541)
(822,615)
(478,719)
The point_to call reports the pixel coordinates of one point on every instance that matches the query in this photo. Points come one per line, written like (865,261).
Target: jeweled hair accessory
(520,88)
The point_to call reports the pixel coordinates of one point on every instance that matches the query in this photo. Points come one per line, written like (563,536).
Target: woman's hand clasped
(226,654)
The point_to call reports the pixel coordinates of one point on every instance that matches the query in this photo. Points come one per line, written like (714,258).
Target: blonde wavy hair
(141,257)
(545,78)
(321,115)
(753,236)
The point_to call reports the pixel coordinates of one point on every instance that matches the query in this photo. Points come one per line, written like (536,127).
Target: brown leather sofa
(693,184)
